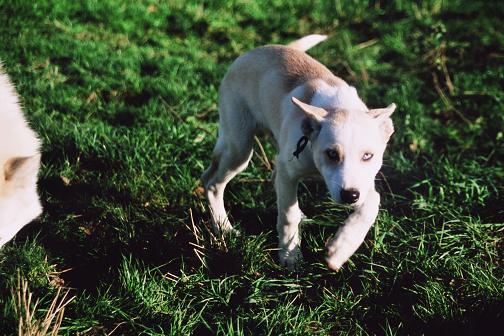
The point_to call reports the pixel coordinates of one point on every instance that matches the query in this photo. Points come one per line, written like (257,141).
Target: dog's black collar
(301,145)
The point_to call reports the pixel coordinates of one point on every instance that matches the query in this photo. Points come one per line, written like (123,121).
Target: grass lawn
(124,98)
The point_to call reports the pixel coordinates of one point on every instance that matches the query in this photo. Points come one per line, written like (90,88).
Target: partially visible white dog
(331,133)
(19,164)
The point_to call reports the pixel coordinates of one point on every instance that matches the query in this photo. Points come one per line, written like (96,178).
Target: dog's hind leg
(231,155)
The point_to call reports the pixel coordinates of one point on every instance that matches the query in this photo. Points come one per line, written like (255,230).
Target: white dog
(19,164)
(333,134)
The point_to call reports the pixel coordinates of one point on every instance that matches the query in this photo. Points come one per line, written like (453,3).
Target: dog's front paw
(338,252)
(291,258)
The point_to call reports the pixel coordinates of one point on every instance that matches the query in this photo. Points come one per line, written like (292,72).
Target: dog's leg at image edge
(353,231)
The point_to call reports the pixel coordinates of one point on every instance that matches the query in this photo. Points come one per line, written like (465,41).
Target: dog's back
(19,164)
(259,77)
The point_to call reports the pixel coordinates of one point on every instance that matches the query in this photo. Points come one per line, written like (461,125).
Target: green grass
(124,98)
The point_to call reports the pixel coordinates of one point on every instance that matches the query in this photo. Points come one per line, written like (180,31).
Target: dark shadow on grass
(137,99)
(125,118)
(80,226)
(480,319)
(92,241)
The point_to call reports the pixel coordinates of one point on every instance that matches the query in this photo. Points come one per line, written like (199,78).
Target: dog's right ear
(313,117)
(382,115)
(20,170)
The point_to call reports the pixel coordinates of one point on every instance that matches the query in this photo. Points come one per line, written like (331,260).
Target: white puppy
(333,134)
(19,164)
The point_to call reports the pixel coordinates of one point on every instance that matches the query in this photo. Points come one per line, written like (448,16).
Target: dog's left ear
(382,116)
(313,118)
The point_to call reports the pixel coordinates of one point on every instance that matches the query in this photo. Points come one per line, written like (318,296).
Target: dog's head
(347,147)
(19,202)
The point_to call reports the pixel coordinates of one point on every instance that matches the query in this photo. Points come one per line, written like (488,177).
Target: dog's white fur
(19,164)
(264,90)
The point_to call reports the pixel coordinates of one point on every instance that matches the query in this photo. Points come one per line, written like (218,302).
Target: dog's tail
(307,42)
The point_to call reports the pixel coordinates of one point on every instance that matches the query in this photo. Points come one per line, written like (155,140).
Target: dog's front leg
(289,217)
(353,231)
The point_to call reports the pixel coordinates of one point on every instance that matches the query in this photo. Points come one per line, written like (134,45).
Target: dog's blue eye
(333,155)
(367,156)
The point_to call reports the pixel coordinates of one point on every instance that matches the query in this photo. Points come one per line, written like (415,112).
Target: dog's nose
(349,196)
